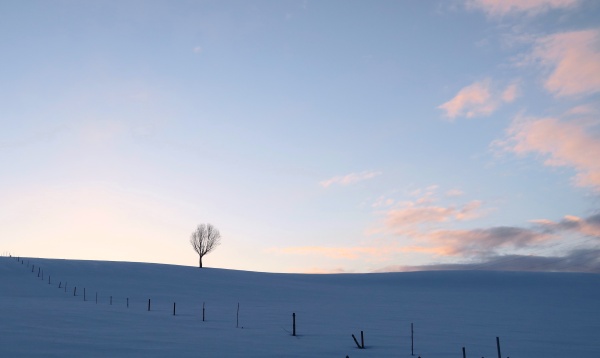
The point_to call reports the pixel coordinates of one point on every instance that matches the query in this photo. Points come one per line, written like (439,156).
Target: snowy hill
(536,315)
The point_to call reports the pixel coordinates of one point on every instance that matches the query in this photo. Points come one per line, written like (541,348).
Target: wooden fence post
(464,352)
(127,302)
(293,324)
(412,340)
(203,303)
(174,308)
(237,317)
(75,291)
(498,345)
(355,341)
(362,340)
(148,305)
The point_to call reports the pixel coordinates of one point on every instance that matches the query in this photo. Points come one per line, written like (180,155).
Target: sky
(317,136)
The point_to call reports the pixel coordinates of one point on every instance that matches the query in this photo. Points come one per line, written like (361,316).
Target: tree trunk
(200,262)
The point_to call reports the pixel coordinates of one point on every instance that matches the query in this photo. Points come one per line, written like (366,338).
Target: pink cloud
(348,179)
(413,215)
(383,202)
(479,99)
(573,59)
(454,192)
(510,93)
(562,143)
(531,7)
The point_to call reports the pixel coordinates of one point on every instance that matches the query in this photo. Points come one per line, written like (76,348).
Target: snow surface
(536,315)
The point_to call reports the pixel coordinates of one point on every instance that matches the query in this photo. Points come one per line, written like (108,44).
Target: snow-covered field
(536,315)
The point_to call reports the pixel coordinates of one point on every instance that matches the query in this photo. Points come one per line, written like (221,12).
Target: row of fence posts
(360,345)
(40,274)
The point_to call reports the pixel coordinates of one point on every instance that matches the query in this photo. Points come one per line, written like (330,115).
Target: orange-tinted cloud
(349,178)
(531,7)
(479,99)
(569,143)
(413,215)
(573,59)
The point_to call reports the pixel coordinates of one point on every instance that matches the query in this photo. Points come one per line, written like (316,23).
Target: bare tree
(205,239)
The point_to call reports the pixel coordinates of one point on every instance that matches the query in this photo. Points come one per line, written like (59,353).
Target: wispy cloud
(510,7)
(573,61)
(510,93)
(569,143)
(479,99)
(349,179)
(349,253)
(378,253)
(382,201)
(454,192)
(412,216)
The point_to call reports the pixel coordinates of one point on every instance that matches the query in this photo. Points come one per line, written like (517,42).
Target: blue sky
(337,136)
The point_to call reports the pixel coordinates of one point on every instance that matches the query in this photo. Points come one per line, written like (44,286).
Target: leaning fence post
(355,341)
(464,352)
(498,345)
(362,340)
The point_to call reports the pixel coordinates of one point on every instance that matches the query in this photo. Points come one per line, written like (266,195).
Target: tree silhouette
(205,239)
